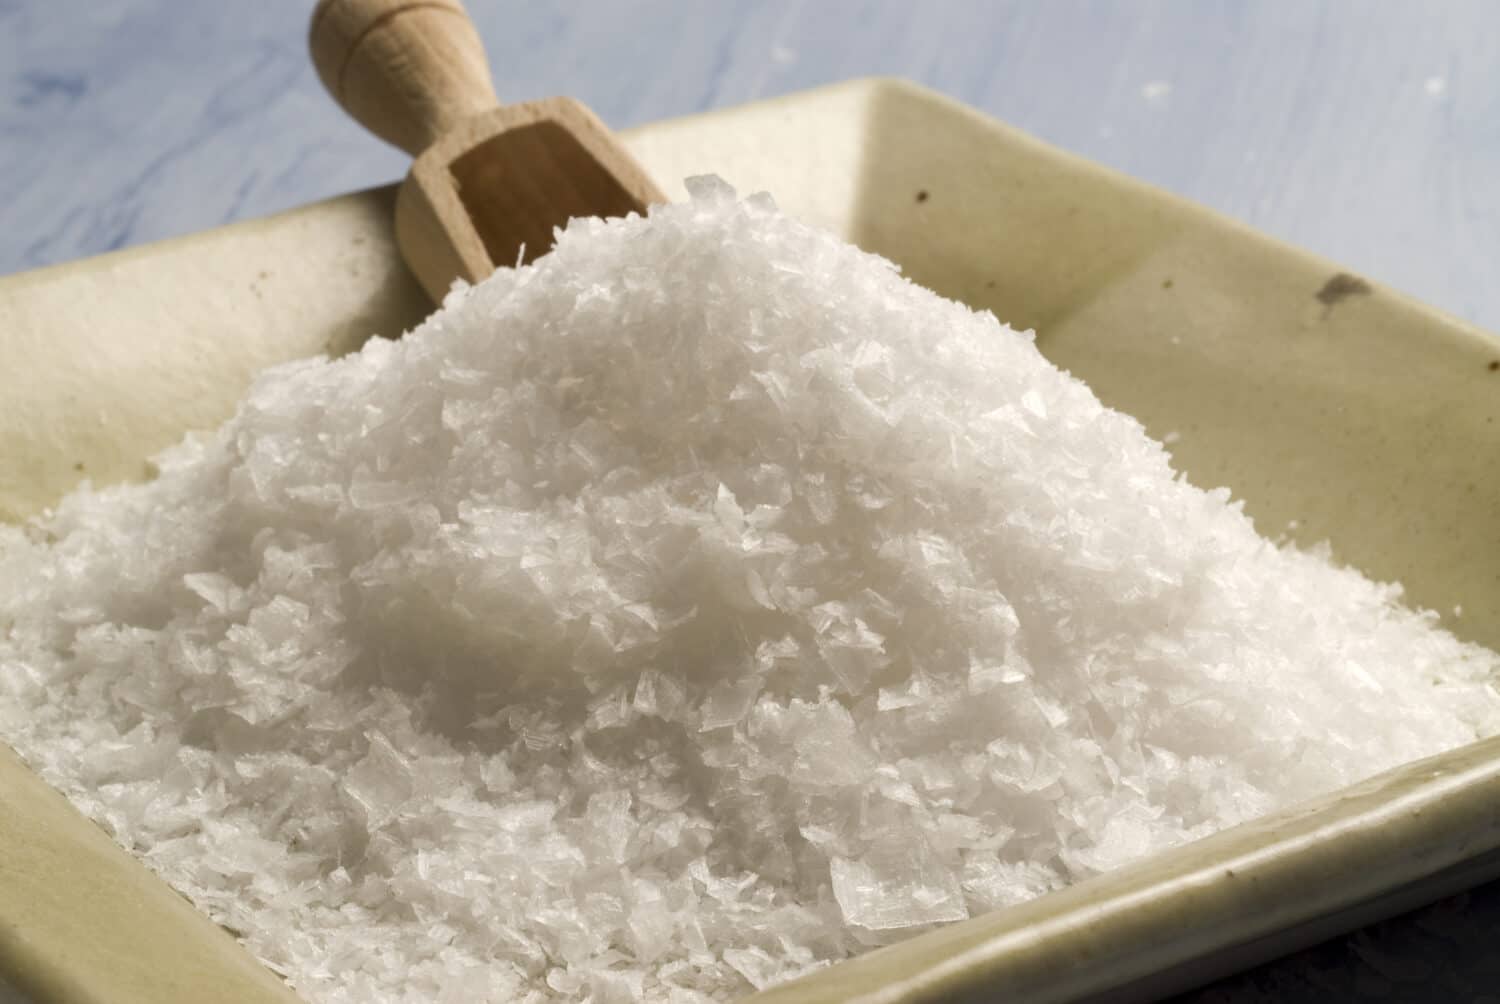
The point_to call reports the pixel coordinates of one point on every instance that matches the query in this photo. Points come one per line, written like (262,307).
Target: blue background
(1366,130)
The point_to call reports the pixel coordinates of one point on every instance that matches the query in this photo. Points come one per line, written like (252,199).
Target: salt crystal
(897,884)
(217,589)
(728,702)
(381,782)
(698,605)
(755,964)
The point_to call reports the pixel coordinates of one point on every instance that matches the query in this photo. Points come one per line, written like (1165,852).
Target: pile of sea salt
(699,605)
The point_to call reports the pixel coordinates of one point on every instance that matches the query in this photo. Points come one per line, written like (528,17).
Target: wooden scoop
(489,183)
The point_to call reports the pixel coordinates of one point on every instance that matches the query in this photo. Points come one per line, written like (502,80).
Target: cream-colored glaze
(1369,419)
(82,923)
(111,359)
(1097,939)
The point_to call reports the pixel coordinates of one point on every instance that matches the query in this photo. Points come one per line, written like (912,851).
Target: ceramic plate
(1337,409)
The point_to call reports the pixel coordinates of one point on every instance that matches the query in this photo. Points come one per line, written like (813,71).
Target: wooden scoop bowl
(490,182)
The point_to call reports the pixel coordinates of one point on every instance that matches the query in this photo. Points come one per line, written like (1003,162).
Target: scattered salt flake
(1053,711)
(375,494)
(659,695)
(755,964)
(728,702)
(985,676)
(727,509)
(913,694)
(707,189)
(895,885)
(381,782)
(1122,839)
(217,589)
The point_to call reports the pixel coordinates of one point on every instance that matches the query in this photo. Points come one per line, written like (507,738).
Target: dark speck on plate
(1341,287)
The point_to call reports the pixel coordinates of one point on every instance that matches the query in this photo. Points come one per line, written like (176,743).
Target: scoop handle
(408,70)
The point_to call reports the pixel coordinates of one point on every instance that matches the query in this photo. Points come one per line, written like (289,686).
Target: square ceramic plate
(1337,409)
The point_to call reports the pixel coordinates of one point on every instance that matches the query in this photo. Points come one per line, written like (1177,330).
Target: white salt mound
(699,605)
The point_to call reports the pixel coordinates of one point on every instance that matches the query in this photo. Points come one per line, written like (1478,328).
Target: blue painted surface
(1367,131)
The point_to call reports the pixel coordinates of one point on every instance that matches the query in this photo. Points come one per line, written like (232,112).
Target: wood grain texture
(407,70)
(491,185)
(1366,131)
(493,190)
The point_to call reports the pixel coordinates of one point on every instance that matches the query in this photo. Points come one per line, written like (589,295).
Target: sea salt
(699,605)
